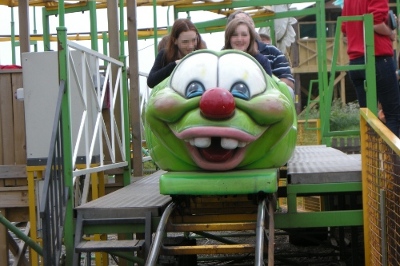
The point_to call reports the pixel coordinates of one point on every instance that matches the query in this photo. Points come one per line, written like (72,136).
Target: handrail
(29,241)
(95,92)
(55,194)
(380,158)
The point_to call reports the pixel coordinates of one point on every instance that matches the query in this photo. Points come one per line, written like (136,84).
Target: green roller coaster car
(220,111)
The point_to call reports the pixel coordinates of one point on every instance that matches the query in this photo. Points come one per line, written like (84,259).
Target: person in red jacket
(387,88)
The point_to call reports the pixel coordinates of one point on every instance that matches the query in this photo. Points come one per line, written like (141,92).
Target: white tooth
(242,144)
(202,142)
(229,144)
(191,141)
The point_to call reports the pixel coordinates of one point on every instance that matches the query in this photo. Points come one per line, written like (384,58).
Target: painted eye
(240,90)
(194,89)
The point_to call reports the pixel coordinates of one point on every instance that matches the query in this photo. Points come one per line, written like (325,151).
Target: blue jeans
(387,89)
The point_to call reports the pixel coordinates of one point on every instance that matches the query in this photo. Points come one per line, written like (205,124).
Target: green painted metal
(309,103)
(324,188)
(105,46)
(34,21)
(219,183)
(34,43)
(317,189)
(93,25)
(155,26)
(272,34)
(318,219)
(29,241)
(125,99)
(370,64)
(46,30)
(66,132)
(295,219)
(13,42)
(322,61)
(127,134)
(327,96)
(121,30)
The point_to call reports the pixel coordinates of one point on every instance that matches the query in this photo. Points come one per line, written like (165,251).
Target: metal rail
(156,245)
(55,194)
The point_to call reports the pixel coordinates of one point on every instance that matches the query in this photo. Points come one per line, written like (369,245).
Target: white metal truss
(96,89)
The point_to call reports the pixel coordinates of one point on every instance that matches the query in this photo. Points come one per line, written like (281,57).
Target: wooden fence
(13,182)
(12,119)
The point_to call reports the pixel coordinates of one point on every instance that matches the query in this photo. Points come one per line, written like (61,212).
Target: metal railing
(380,150)
(96,137)
(96,91)
(55,194)
(326,95)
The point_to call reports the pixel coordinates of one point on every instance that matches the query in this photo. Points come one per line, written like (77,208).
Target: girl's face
(186,42)
(240,39)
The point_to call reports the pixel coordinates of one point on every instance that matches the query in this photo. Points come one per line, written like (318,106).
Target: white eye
(197,67)
(240,90)
(237,68)
(194,89)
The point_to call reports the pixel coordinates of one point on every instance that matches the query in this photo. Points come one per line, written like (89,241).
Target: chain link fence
(381,191)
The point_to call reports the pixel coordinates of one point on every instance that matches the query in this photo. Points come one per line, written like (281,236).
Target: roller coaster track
(182,216)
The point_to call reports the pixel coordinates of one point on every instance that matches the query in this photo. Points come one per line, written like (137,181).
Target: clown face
(220,111)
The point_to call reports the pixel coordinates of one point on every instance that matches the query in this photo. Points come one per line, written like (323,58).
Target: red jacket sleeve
(379,9)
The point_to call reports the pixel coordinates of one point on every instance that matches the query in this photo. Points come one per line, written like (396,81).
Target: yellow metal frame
(37,173)
(378,145)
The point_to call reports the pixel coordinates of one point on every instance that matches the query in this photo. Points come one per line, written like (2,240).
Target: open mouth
(216,148)
(215,157)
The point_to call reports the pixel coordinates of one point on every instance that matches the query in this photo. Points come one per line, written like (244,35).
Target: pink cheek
(165,105)
(270,107)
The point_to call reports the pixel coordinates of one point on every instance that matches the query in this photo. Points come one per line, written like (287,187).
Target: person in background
(387,88)
(265,38)
(240,35)
(279,64)
(183,39)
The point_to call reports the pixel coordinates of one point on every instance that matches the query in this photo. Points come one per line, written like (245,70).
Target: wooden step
(110,245)
(191,227)
(208,249)
(114,221)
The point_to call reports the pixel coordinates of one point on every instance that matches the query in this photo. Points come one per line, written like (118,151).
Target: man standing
(387,88)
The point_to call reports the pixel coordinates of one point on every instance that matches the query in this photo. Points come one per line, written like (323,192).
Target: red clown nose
(217,103)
